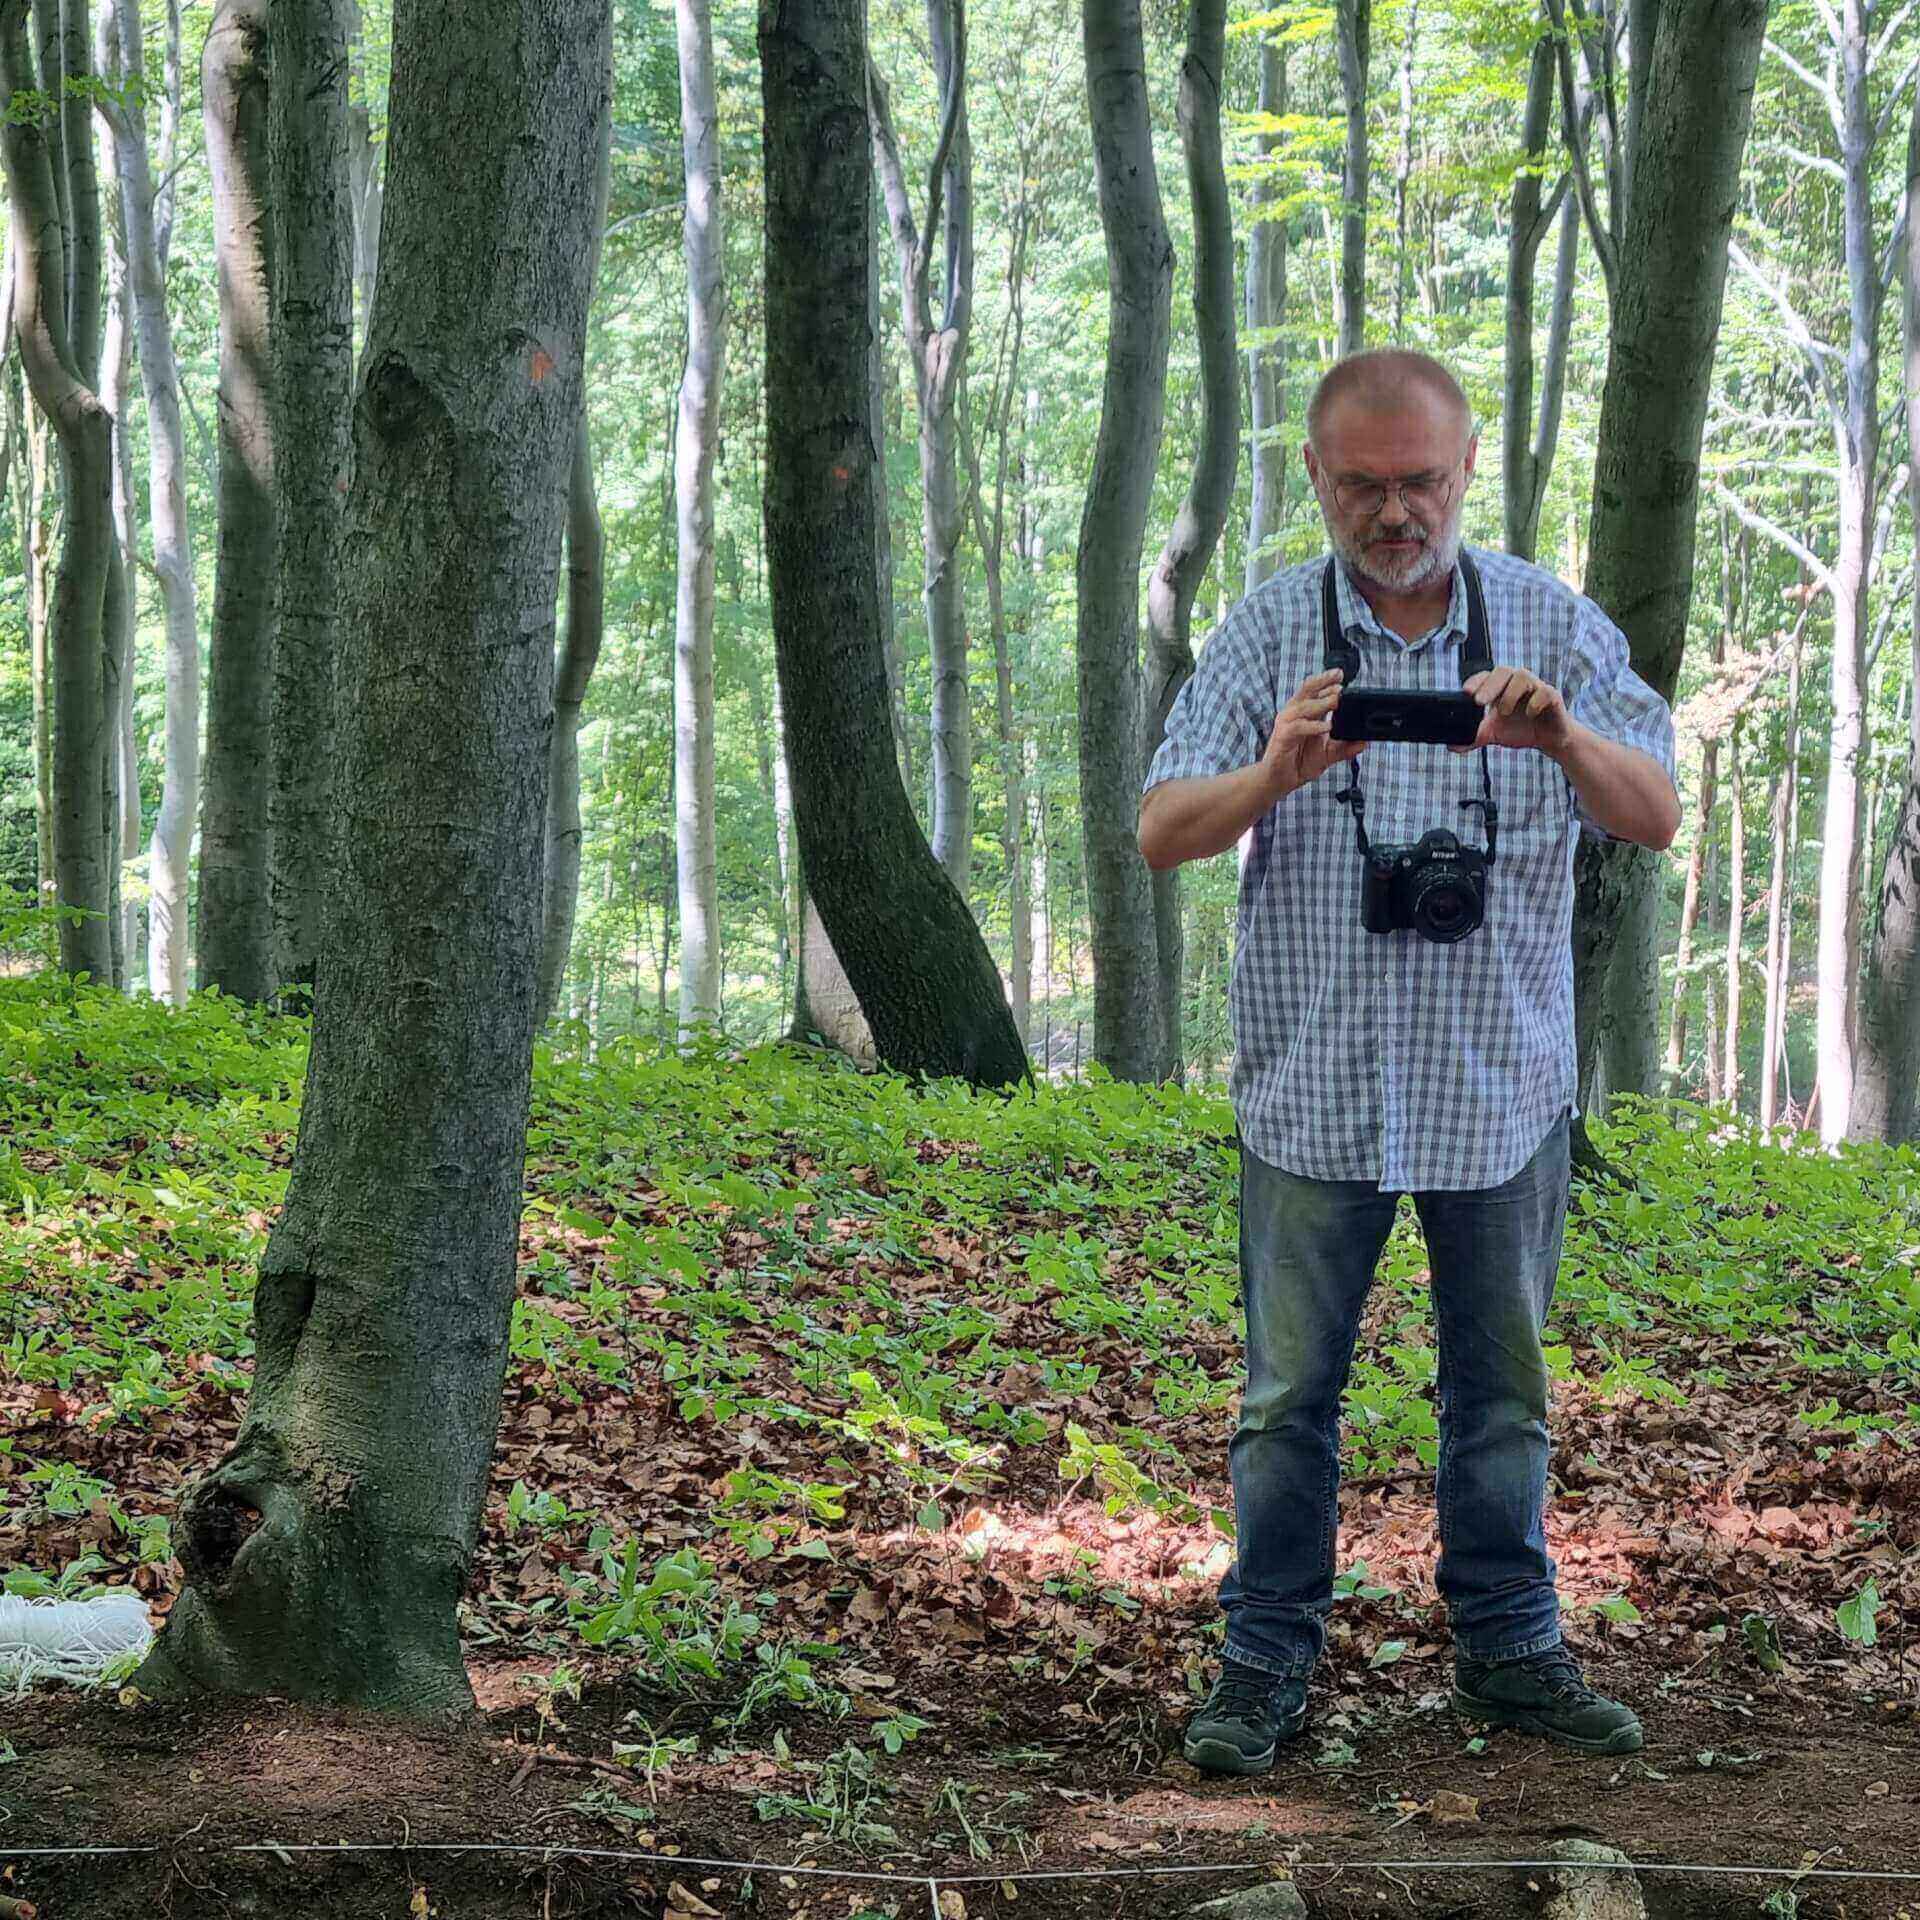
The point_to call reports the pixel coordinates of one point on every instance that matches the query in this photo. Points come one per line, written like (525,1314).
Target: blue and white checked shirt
(1388,1057)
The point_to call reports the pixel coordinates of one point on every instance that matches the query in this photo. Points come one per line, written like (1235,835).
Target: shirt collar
(1354,612)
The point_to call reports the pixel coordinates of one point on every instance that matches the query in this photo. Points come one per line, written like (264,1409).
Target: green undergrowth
(921,1284)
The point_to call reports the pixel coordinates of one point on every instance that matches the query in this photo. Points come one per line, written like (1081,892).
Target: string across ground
(934,1882)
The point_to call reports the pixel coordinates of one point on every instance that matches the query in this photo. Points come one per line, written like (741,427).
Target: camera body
(1435,887)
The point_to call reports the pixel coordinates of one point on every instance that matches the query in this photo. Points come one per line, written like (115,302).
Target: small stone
(952,1906)
(1271,1900)
(1607,1890)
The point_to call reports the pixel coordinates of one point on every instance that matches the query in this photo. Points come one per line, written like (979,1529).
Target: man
(1423,1059)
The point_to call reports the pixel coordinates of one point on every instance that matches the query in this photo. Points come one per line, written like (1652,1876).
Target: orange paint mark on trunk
(542,364)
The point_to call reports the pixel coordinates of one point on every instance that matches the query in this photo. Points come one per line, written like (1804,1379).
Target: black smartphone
(1380,713)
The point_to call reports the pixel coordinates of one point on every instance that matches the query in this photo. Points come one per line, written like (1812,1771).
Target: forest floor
(860,1498)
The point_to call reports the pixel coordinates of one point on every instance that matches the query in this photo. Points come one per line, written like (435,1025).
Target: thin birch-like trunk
(701,384)
(1267,354)
(168,878)
(1736,910)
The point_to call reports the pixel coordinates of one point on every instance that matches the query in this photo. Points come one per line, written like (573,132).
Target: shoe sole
(1220,1756)
(1500,1714)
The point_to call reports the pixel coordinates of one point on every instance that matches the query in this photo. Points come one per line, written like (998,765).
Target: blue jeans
(1308,1249)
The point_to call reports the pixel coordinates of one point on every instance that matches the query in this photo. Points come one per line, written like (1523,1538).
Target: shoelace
(1559,1672)
(1243,1696)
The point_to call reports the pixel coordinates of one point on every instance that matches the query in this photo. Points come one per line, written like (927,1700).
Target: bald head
(1387,380)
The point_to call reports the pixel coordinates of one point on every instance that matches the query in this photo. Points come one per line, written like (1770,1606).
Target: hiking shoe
(1544,1693)
(1246,1716)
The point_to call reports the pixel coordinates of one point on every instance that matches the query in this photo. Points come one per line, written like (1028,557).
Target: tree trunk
(309,417)
(168,876)
(1353,34)
(1886,1097)
(880,368)
(990,536)
(1736,911)
(1683,965)
(939,353)
(326,1551)
(1528,445)
(1127,1029)
(1266,348)
(30,430)
(118,604)
(579,654)
(1779,906)
(899,925)
(1196,528)
(82,727)
(701,385)
(1691,130)
(236,855)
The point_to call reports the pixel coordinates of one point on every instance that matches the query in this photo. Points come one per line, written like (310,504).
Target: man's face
(1402,543)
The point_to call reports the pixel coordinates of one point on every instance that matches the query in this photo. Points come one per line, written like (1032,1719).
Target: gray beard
(1434,561)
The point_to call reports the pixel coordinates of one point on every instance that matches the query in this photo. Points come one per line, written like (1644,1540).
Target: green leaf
(1387,1652)
(1856,1616)
(931,1517)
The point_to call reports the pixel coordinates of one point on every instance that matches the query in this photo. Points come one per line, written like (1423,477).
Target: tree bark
(1528,444)
(899,925)
(939,354)
(1127,1028)
(1196,528)
(167,951)
(1779,907)
(1887,1090)
(310,456)
(1736,913)
(82,729)
(237,862)
(1683,964)
(1266,347)
(325,1553)
(1699,61)
(1403,172)
(1353,36)
(701,386)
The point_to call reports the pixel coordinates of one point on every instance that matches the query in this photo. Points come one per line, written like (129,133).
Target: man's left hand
(1522,710)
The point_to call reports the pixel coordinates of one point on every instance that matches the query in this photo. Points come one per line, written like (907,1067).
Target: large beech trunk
(326,1552)
(311,353)
(898,924)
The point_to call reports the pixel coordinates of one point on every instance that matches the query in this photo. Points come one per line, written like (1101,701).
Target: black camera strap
(1475,657)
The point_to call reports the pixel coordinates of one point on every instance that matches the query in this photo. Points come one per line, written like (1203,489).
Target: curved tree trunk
(916,959)
(172,555)
(1127,1029)
(1695,83)
(309,456)
(326,1552)
(702,384)
(939,354)
(1196,528)
(1886,1095)
(82,727)
(572,675)
(1267,357)
(363,162)
(236,910)
(1353,36)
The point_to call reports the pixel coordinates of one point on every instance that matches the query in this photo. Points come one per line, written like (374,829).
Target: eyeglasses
(1422,498)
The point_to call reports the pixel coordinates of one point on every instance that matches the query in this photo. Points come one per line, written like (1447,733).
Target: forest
(620,1279)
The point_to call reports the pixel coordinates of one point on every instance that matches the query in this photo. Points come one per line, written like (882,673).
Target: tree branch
(1887,33)
(1574,128)
(1822,573)
(1816,353)
(1824,88)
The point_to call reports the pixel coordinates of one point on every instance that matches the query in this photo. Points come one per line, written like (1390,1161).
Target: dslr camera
(1436,887)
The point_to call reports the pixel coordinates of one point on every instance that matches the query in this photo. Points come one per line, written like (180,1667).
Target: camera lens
(1444,907)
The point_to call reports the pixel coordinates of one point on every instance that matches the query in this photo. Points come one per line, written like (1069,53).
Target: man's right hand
(1301,746)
